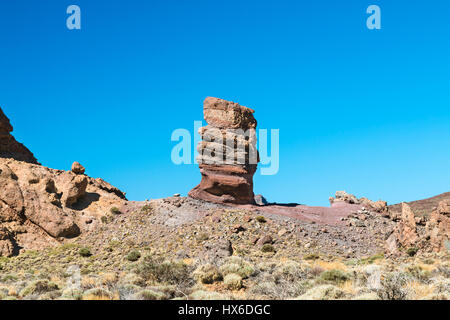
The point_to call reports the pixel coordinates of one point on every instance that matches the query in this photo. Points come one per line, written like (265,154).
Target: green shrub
(203,237)
(147,209)
(85,252)
(9,277)
(393,286)
(290,271)
(336,276)
(372,259)
(115,210)
(207,274)
(97,294)
(261,219)
(323,292)
(206,295)
(412,251)
(38,287)
(134,256)
(170,272)
(311,256)
(418,273)
(238,266)
(233,281)
(150,295)
(104,219)
(267,248)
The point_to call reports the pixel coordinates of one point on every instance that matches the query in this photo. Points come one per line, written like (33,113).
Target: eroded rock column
(228,156)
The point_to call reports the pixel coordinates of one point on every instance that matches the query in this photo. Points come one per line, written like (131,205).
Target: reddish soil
(322,215)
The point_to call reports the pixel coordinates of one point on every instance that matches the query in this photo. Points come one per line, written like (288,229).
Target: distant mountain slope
(422,207)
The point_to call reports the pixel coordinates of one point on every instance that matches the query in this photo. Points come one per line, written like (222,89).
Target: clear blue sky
(367,111)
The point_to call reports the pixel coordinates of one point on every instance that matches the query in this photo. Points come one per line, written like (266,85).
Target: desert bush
(206,295)
(323,292)
(371,259)
(115,210)
(85,252)
(150,295)
(233,281)
(134,256)
(71,294)
(163,271)
(238,266)
(393,286)
(336,276)
(280,289)
(419,273)
(207,274)
(290,271)
(146,209)
(261,219)
(202,237)
(97,294)
(268,248)
(412,251)
(311,256)
(9,278)
(38,287)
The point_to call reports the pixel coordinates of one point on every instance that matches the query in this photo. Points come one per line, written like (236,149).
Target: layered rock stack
(9,147)
(228,156)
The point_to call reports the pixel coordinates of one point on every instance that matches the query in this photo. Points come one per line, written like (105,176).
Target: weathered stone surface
(75,189)
(439,227)
(344,197)
(220,113)
(405,233)
(260,200)
(406,230)
(38,205)
(9,147)
(77,168)
(227,153)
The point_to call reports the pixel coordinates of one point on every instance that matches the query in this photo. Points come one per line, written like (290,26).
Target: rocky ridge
(9,147)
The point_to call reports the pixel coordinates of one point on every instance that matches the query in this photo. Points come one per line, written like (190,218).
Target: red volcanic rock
(9,147)
(228,156)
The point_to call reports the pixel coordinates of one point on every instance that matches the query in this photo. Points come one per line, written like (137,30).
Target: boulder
(77,168)
(260,200)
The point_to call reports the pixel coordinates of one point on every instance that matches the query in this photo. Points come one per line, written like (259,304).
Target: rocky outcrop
(406,230)
(344,197)
(227,153)
(405,234)
(438,228)
(41,206)
(410,232)
(9,147)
